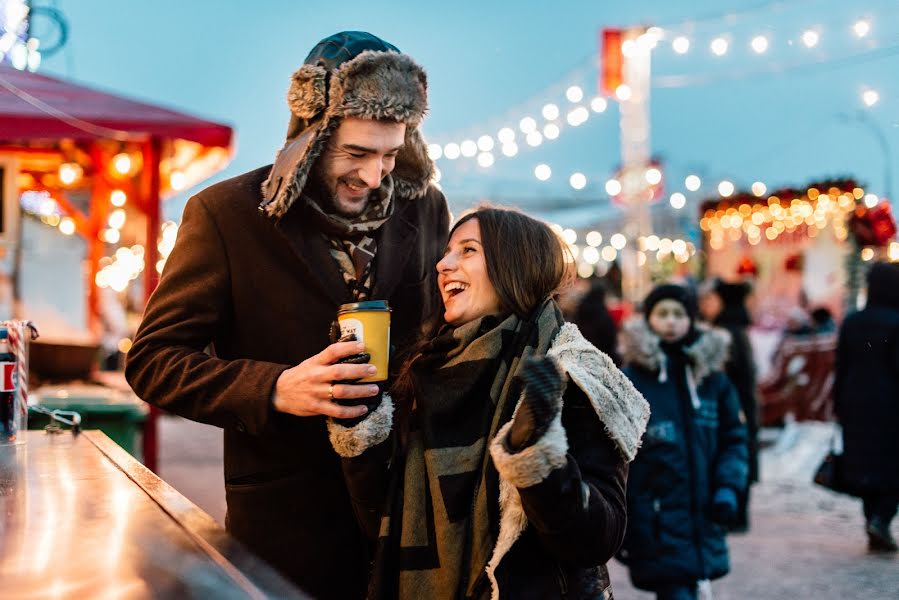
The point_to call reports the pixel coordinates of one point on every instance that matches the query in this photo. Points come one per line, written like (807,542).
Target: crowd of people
(511,454)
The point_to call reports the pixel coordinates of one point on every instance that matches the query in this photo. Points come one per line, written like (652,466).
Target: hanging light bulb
(578,181)
(542,172)
(574,93)
(719,46)
(506,135)
(527,125)
(861,28)
(681,44)
(451,151)
(759,44)
(726,188)
(70,173)
(598,104)
(122,163)
(468,148)
(870,98)
(485,143)
(550,112)
(810,38)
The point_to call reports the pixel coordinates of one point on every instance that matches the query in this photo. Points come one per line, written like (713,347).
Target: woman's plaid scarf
(441,523)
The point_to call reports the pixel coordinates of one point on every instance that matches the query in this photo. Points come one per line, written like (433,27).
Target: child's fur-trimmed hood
(374,84)
(639,345)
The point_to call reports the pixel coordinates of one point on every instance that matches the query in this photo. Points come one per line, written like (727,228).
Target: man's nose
(372,172)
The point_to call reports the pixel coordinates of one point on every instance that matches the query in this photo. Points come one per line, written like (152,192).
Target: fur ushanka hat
(350,74)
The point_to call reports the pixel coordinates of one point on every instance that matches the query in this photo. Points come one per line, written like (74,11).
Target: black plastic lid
(366,305)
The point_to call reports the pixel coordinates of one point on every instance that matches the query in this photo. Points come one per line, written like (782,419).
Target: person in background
(740,368)
(262,263)
(502,473)
(596,323)
(822,320)
(866,396)
(685,482)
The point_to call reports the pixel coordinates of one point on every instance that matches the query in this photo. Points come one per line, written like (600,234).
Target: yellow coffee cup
(370,322)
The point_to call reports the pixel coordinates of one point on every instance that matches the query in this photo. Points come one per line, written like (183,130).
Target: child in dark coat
(684,483)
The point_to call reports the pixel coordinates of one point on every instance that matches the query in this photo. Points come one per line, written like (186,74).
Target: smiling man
(237,333)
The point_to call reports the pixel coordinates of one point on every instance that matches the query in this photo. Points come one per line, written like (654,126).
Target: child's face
(669,320)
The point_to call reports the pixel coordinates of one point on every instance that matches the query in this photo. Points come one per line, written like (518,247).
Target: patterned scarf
(352,241)
(442,515)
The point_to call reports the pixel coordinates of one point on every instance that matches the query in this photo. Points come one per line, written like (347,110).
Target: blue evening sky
(786,118)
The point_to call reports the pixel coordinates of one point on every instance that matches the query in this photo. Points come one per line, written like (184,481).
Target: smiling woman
(506,417)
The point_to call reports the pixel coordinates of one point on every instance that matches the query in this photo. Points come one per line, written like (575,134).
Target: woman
(504,476)
(684,484)
(866,393)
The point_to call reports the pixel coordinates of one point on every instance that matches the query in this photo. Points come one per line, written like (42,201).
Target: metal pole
(635,159)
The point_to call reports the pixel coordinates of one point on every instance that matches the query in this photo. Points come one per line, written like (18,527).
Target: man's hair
(525,259)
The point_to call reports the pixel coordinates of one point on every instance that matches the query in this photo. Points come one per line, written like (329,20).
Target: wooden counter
(80,518)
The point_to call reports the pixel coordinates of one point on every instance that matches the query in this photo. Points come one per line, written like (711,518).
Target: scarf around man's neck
(352,241)
(440,529)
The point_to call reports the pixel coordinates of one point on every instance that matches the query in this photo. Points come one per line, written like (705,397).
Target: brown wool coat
(258,295)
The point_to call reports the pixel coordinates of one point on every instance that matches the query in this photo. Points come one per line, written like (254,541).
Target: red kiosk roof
(35,107)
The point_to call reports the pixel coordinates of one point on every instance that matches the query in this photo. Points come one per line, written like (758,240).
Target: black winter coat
(867,391)
(686,456)
(576,516)
(263,294)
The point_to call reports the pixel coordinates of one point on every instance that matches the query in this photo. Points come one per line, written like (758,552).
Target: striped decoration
(20,334)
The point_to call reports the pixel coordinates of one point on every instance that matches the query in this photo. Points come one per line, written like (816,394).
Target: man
(237,333)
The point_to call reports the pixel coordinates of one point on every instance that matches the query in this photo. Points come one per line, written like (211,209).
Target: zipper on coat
(656,519)
(697,516)
(563,581)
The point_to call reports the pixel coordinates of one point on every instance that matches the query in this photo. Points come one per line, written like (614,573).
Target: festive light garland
(482,148)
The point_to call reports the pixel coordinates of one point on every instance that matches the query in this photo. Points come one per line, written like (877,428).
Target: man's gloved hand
(372,402)
(724,506)
(543,381)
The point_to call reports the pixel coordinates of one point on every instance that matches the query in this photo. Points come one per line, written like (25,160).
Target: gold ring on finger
(331,392)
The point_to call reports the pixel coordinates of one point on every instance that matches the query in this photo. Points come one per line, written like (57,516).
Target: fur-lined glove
(543,381)
(372,402)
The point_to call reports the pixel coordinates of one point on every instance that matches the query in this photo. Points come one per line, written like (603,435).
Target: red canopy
(36,107)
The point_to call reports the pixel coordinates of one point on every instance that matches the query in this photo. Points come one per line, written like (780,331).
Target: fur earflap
(350,442)
(708,353)
(307,96)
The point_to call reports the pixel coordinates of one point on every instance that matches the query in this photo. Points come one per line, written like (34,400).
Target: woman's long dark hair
(525,264)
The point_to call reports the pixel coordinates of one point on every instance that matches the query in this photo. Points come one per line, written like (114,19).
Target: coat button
(240,426)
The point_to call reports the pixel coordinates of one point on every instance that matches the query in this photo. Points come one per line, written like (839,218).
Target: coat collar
(642,347)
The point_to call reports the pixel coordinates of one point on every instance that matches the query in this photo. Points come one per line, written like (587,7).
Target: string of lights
(485,149)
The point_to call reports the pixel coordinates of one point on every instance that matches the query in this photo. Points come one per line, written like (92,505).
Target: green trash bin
(120,415)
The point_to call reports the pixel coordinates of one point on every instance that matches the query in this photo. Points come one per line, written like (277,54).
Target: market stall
(802,248)
(86,163)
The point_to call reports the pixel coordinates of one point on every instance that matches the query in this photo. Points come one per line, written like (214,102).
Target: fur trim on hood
(380,85)
(640,346)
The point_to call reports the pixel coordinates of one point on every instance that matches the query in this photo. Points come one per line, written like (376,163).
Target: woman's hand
(543,381)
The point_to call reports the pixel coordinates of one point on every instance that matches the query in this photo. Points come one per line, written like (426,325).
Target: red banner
(611,61)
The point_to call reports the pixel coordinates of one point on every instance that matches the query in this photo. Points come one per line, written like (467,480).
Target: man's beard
(317,188)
